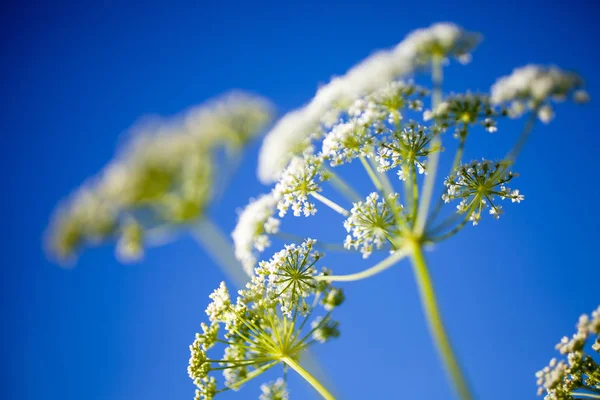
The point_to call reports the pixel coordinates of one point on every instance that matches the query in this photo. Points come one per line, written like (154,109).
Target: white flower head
(301,178)
(534,86)
(251,234)
(372,223)
(348,140)
(274,390)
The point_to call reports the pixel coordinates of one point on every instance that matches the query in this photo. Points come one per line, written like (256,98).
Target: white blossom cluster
(165,175)
(348,140)
(275,390)
(477,184)
(251,234)
(579,374)
(441,40)
(534,86)
(462,111)
(302,178)
(372,223)
(267,324)
(406,149)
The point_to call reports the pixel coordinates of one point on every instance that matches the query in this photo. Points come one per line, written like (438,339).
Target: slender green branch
(512,155)
(377,268)
(435,146)
(374,178)
(588,395)
(436,326)
(331,204)
(383,178)
(212,240)
(308,377)
(342,186)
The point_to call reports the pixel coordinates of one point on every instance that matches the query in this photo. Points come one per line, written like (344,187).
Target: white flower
(441,40)
(231,119)
(348,140)
(477,184)
(301,178)
(219,308)
(534,86)
(371,223)
(251,234)
(274,390)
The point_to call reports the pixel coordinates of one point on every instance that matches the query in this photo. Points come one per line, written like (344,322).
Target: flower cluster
(267,325)
(463,111)
(407,149)
(294,132)
(301,179)
(163,177)
(251,234)
(372,223)
(579,374)
(477,184)
(534,86)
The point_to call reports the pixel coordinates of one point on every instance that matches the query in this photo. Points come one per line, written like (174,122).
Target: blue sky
(75,76)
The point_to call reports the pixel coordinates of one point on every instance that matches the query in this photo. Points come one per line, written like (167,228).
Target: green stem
(435,146)
(377,268)
(434,320)
(372,175)
(342,186)
(512,155)
(214,242)
(589,395)
(308,377)
(331,204)
(383,178)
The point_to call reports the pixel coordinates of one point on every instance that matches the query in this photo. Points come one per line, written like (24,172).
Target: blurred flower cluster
(165,176)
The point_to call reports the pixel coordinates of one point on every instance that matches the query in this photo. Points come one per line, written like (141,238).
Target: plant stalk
(436,326)
(308,377)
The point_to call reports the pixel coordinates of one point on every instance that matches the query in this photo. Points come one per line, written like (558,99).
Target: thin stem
(372,174)
(435,145)
(212,239)
(383,178)
(434,320)
(589,395)
(308,377)
(512,155)
(342,187)
(377,268)
(334,206)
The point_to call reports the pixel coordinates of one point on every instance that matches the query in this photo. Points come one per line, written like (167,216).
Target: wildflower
(257,335)
(378,70)
(443,40)
(534,86)
(130,246)
(579,373)
(87,218)
(274,390)
(302,178)
(371,223)
(231,119)
(476,185)
(406,149)
(164,176)
(463,111)
(251,234)
(348,140)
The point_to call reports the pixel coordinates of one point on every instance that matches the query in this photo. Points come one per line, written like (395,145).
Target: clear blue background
(75,76)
